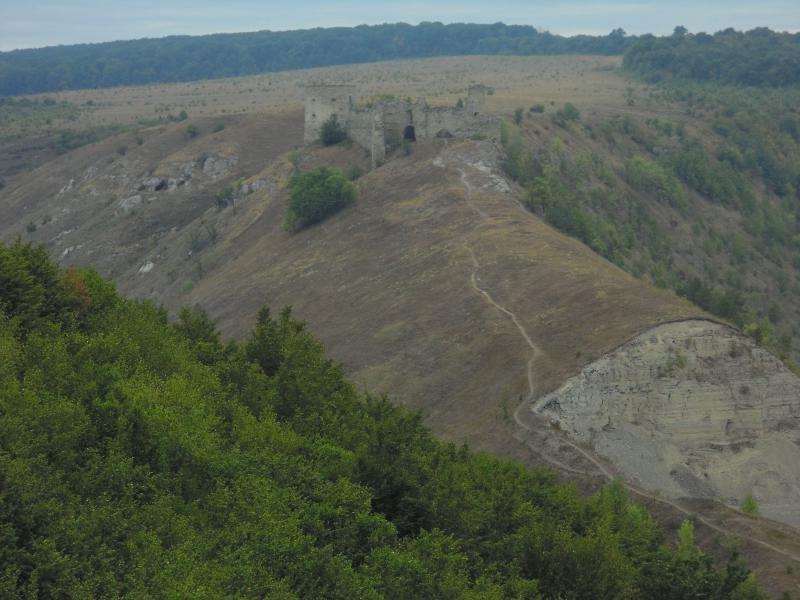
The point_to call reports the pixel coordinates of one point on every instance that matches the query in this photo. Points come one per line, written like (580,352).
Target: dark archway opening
(409,134)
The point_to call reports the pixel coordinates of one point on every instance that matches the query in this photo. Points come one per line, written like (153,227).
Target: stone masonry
(384,124)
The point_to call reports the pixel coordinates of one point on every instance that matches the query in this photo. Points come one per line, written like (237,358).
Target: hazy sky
(33,23)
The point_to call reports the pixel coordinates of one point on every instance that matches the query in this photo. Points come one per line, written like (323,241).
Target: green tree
(332,132)
(315,195)
(567,114)
(750,505)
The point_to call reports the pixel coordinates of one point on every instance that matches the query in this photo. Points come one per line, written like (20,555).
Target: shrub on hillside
(750,506)
(332,132)
(353,172)
(649,176)
(566,115)
(315,195)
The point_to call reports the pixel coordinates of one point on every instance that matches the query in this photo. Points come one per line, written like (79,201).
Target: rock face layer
(692,408)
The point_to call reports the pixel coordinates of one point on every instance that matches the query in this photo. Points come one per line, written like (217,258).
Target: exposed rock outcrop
(692,408)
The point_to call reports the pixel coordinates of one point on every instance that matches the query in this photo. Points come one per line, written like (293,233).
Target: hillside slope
(437,286)
(140,458)
(396,267)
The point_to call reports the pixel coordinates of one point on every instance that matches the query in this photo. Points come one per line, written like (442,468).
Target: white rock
(67,187)
(128,204)
(691,409)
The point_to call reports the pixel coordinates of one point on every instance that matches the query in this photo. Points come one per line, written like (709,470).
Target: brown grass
(517,81)
(385,283)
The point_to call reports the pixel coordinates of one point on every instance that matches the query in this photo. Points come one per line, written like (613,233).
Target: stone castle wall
(323,101)
(384,125)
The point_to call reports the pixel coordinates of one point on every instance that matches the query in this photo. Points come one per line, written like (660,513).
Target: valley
(446,286)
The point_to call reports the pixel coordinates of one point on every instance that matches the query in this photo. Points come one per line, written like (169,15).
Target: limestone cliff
(692,408)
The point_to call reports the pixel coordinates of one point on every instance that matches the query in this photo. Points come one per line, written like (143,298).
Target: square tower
(476,100)
(321,102)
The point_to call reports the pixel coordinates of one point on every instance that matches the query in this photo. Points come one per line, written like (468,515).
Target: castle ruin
(383,124)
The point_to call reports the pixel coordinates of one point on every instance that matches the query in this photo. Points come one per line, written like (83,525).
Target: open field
(31,134)
(58,122)
(517,81)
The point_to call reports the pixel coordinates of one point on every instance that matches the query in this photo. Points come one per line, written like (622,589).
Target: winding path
(536,352)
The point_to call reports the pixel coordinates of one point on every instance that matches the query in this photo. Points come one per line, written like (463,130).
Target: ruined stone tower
(476,100)
(384,125)
(323,101)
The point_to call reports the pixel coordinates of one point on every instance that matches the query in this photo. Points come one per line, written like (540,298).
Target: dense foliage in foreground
(144,459)
(186,58)
(759,57)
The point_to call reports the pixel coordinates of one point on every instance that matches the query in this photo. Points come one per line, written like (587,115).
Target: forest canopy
(190,58)
(759,57)
(144,458)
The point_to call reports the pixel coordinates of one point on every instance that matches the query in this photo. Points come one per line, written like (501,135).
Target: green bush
(566,115)
(750,506)
(537,108)
(649,176)
(570,112)
(226,195)
(518,114)
(315,195)
(332,132)
(718,181)
(353,172)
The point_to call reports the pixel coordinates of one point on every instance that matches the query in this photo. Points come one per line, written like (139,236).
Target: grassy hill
(413,288)
(394,267)
(703,201)
(140,458)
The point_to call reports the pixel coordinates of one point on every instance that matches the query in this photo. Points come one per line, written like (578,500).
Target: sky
(36,23)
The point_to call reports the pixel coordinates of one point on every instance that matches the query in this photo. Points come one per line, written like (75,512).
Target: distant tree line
(759,57)
(187,58)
